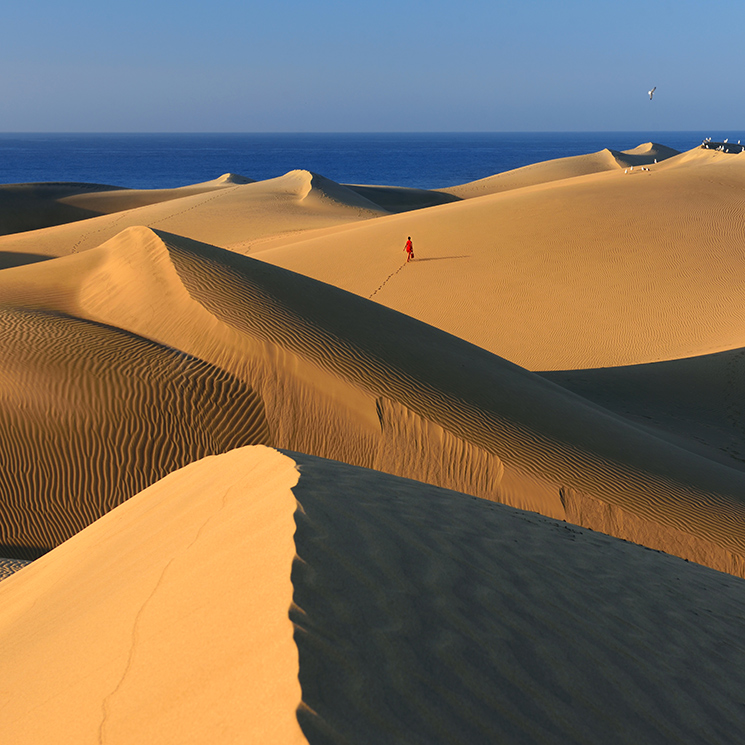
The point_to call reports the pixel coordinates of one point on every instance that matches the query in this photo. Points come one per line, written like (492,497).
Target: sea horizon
(427,160)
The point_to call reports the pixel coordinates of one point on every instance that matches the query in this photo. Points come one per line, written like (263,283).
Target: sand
(596,270)
(165,621)
(568,341)
(386,611)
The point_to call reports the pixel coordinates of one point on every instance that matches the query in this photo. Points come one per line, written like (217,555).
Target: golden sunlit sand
(567,341)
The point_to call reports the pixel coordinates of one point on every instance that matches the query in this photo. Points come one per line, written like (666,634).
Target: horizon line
(362,132)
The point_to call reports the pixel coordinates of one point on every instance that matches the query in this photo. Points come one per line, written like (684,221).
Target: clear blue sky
(389,65)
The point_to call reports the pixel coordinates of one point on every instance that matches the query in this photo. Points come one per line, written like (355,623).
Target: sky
(384,66)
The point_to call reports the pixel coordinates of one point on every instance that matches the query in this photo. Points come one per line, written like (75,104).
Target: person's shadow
(440,258)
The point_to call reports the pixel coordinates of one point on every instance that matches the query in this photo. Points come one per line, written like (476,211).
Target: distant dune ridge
(225,211)
(563,168)
(568,341)
(596,270)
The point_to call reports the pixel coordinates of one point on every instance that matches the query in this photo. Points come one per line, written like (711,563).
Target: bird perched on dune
(651,93)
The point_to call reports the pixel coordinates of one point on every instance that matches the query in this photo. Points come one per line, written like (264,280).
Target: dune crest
(311,188)
(228,211)
(559,169)
(234,178)
(166,620)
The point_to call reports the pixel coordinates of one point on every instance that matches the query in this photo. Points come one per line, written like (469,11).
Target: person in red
(409,248)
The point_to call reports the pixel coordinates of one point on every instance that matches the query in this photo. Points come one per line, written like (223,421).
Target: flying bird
(651,93)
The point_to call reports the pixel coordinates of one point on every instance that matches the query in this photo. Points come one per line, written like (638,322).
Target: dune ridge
(340,377)
(563,168)
(134,631)
(25,207)
(226,211)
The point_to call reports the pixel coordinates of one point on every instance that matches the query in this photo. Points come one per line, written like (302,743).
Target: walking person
(409,248)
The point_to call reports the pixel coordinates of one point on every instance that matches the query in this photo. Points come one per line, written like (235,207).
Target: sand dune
(694,403)
(223,212)
(192,589)
(424,616)
(402,199)
(597,270)
(91,415)
(419,614)
(166,621)
(340,377)
(600,270)
(33,206)
(563,168)
(26,207)
(118,200)
(645,154)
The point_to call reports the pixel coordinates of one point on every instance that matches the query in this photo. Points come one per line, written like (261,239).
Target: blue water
(425,160)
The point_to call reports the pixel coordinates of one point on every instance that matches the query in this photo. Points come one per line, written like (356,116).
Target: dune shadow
(441,258)
(24,553)
(9,259)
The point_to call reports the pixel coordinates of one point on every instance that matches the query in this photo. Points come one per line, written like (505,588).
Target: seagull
(651,93)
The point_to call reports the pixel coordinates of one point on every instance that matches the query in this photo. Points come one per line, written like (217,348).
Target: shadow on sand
(9,259)
(439,258)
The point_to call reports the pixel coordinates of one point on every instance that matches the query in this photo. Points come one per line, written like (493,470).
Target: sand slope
(563,168)
(402,199)
(34,206)
(166,621)
(90,415)
(340,377)
(695,403)
(598,270)
(420,616)
(427,617)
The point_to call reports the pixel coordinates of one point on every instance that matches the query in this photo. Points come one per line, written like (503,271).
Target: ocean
(423,160)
